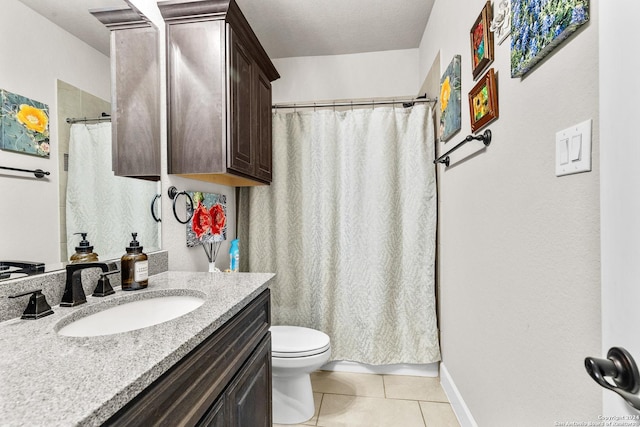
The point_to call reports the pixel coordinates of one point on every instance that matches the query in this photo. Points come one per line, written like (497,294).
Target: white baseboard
(425,370)
(455,398)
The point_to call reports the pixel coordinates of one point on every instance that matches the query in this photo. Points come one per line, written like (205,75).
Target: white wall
(35,53)
(355,76)
(519,261)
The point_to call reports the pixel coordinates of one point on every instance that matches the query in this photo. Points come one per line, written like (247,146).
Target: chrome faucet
(73,290)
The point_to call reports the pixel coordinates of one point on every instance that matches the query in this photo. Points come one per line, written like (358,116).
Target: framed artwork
(451,100)
(538,26)
(24,125)
(483,101)
(208,218)
(501,24)
(481,42)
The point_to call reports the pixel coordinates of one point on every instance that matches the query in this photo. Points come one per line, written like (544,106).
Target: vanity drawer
(183,394)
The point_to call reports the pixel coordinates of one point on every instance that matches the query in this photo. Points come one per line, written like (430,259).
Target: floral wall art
(24,125)
(538,26)
(208,225)
(450,100)
(483,101)
(481,41)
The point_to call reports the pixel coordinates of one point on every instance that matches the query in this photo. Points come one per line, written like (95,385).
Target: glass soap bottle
(134,267)
(84,251)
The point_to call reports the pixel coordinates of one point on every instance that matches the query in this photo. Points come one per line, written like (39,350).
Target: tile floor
(345,399)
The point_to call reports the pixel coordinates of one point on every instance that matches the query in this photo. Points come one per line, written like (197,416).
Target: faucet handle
(38,306)
(104,288)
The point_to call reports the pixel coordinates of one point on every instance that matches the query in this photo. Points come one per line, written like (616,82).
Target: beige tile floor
(345,399)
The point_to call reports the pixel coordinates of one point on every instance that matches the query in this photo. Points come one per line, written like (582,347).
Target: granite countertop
(54,380)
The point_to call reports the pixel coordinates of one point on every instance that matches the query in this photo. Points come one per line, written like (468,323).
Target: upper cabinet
(219,94)
(135,93)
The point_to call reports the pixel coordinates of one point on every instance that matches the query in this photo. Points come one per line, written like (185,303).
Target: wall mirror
(80,196)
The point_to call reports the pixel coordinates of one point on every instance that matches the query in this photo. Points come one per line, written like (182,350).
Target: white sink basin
(132,315)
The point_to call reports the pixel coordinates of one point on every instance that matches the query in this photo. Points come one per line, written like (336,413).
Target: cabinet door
(135,115)
(248,399)
(241,117)
(215,416)
(263,126)
(195,93)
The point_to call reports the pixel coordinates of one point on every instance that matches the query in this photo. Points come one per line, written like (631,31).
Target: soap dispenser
(134,267)
(84,251)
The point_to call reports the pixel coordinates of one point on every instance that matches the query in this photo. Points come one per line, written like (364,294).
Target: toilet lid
(296,341)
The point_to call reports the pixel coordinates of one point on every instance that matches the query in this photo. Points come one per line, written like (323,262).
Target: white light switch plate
(573,149)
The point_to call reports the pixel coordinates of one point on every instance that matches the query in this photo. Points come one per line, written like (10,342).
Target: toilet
(295,353)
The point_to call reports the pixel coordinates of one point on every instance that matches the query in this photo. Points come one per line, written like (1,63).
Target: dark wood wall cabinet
(135,93)
(225,381)
(219,94)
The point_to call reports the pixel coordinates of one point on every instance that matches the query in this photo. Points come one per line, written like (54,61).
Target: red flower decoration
(218,218)
(201,222)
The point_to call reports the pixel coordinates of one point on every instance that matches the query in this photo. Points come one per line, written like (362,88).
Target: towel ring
(153,211)
(173,195)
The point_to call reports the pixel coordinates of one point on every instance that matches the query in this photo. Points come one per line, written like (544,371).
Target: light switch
(576,147)
(573,149)
(564,151)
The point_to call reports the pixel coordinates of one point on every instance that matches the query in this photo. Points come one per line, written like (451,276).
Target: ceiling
(286,28)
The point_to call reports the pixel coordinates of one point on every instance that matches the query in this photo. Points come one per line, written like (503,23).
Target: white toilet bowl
(295,353)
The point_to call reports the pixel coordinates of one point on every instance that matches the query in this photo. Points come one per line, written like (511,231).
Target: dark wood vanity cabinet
(219,94)
(135,93)
(223,382)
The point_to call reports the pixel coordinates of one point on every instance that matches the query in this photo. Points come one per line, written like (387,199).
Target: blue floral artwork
(24,125)
(538,26)
(450,100)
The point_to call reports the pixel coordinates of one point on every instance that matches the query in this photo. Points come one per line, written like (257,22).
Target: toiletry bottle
(234,256)
(134,267)
(84,251)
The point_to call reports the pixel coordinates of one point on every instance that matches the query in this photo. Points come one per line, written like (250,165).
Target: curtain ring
(351,105)
(373,105)
(153,211)
(173,195)
(314,107)
(334,106)
(295,110)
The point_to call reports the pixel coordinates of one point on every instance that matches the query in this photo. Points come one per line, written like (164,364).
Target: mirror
(33,218)
(93,200)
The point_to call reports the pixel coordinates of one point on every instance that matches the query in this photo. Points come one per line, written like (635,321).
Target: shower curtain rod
(103,118)
(407,102)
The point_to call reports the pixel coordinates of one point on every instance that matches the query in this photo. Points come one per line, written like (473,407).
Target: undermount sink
(131,315)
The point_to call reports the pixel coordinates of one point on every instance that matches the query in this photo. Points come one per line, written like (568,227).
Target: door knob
(620,366)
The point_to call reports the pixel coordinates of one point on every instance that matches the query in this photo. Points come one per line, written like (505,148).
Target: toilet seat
(297,341)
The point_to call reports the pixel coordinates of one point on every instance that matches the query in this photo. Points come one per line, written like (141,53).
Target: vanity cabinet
(135,93)
(224,382)
(219,94)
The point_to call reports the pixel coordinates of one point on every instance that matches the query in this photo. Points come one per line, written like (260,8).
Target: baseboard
(416,370)
(455,398)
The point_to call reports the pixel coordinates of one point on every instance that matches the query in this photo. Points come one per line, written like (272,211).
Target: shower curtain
(348,226)
(107,207)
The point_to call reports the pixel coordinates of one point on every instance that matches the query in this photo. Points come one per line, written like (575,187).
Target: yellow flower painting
(24,125)
(33,118)
(450,100)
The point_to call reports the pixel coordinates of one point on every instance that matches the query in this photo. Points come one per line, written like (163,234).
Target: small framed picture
(483,101)
(481,42)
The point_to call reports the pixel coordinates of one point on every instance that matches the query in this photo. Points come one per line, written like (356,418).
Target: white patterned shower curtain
(107,207)
(348,226)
